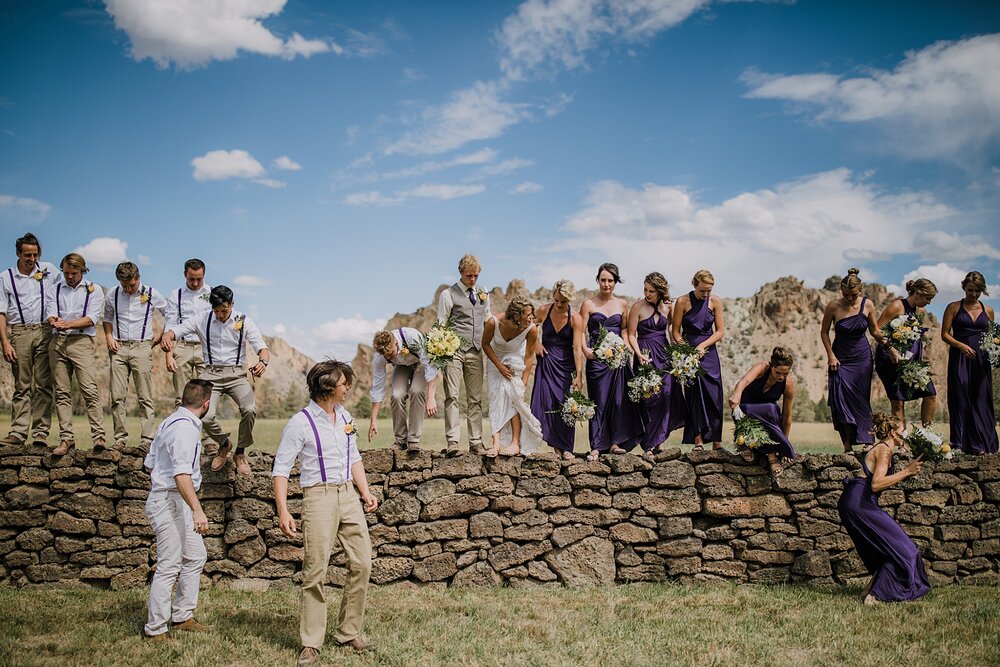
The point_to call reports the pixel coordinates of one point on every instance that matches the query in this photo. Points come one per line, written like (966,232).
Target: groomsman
(413,380)
(223,333)
(176,516)
(128,332)
(74,306)
(22,306)
(334,486)
(468,308)
(184,303)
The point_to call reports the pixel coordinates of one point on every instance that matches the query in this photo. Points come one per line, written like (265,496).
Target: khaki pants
(232,381)
(467,365)
(180,558)
(133,358)
(73,354)
(408,403)
(333,513)
(189,366)
(31,402)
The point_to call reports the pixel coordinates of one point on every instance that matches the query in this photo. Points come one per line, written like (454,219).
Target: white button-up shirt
(72,303)
(131,315)
(184,304)
(175,451)
(405,336)
(325,455)
(22,296)
(222,342)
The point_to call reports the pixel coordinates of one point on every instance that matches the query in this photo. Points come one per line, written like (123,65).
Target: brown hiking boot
(63,448)
(190,625)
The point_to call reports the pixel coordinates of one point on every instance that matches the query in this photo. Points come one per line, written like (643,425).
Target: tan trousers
(31,402)
(232,381)
(333,513)
(133,358)
(73,354)
(408,403)
(190,365)
(467,365)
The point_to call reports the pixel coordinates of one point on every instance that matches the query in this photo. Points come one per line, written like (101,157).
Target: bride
(509,340)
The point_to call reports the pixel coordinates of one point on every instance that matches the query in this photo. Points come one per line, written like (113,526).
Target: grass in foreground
(641,624)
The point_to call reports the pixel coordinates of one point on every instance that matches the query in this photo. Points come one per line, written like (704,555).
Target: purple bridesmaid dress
(553,377)
(850,387)
(762,406)
(616,420)
(886,369)
(970,388)
(887,552)
(665,411)
(704,396)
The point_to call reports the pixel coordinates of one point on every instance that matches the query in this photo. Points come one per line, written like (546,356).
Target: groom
(468,308)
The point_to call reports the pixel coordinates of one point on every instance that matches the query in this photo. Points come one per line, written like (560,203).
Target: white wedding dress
(507,396)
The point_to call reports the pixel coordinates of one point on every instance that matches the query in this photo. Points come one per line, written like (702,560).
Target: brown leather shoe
(413,446)
(191,625)
(219,461)
(452,449)
(242,465)
(63,448)
(359,644)
(12,439)
(308,656)
(99,445)
(165,637)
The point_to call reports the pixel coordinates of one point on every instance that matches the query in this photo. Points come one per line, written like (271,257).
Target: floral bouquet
(750,433)
(903,331)
(991,344)
(577,408)
(685,364)
(914,374)
(442,342)
(924,442)
(647,382)
(611,349)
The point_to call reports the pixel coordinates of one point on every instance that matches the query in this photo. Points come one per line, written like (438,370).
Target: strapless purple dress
(665,411)
(616,420)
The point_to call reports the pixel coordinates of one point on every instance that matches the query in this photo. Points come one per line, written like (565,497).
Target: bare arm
(748,377)
(585,309)
(873,327)
(488,331)
(540,315)
(946,323)
(891,311)
(824,335)
(720,325)
(682,306)
(578,330)
(529,356)
(880,480)
(631,331)
(786,406)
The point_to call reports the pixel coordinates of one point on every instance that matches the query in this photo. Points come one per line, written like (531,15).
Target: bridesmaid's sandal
(568,456)
(747,454)
(513,450)
(492,452)
(615,449)
(593,455)
(870,601)
(776,470)
(698,447)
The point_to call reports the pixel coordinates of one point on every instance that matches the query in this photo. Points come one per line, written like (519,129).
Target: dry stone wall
(471,521)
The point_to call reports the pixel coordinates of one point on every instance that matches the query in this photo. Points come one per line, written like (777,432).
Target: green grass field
(626,625)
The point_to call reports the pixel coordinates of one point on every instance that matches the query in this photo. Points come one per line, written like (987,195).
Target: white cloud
(22,210)
(286,163)
(944,245)
(250,281)
(144,260)
(803,227)
(192,33)
(221,165)
(505,167)
(370,198)
(544,35)
(947,278)
(338,338)
(526,187)
(940,101)
(865,255)
(434,191)
(104,251)
(476,113)
(270,183)
(481,156)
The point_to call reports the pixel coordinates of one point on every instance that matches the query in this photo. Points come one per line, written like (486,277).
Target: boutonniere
(238,324)
(205,297)
(481,294)
(349,427)
(41,275)
(90,287)
(144,295)
(404,351)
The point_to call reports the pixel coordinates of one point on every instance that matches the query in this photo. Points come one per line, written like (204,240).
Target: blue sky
(332,161)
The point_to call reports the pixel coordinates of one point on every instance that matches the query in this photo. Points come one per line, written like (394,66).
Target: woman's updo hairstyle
(610,268)
(659,283)
(518,307)
(703,276)
(883,425)
(851,280)
(923,287)
(782,356)
(977,280)
(564,288)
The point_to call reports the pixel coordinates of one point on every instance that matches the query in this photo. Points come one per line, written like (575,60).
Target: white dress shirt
(184,304)
(175,451)
(22,296)
(222,342)
(72,303)
(299,440)
(131,315)
(405,336)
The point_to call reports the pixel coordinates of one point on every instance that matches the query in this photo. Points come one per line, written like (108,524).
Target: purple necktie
(472,297)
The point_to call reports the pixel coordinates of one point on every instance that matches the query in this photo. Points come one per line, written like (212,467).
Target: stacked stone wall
(471,521)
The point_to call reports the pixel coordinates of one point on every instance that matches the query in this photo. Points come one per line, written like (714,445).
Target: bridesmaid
(888,553)
(970,378)
(648,320)
(559,355)
(757,393)
(920,293)
(849,360)
(616,424)
(699,315)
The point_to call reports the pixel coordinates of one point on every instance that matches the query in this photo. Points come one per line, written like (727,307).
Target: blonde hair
(75,261)
(659,283)
(469,262)
(516,309)
(703,276)
(565,288)
(382,342)
(923,287)
(851,280)
(883,425)
(976,279)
